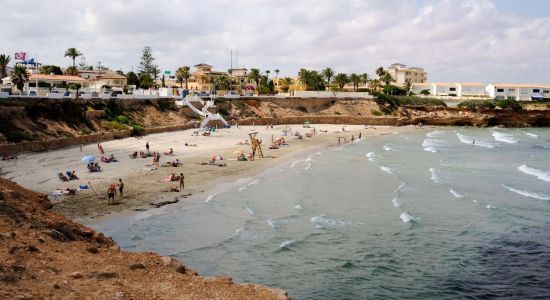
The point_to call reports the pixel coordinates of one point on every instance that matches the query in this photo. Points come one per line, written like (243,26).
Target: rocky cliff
(43,255)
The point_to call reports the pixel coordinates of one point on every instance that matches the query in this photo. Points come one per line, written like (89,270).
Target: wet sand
(38,171)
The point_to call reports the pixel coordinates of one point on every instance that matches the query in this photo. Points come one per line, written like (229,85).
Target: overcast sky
(476,40)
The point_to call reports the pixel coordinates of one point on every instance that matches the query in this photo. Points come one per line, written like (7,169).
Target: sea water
(424,215)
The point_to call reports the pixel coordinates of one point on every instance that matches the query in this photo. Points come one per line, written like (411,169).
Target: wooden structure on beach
(255,144)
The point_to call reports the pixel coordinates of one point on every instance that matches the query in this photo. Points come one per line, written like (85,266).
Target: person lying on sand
(174,189)
(8,157)
(112,158)
(62,177)
(94,167)
(134,155)
(191,145)
(73,176)
(170,152)
(242,157)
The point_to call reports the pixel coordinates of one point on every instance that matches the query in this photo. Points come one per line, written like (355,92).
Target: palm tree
(374,84)
(222,83)
(341,79)
(387,78)
(4,61)
(303,78)
(327,73)
(364,78)
(276,73)
(77,87)
(19,76)
(380,72)
(182,73)
(73,53)
(408,86)
(355,79)
(255,75)
(286,83)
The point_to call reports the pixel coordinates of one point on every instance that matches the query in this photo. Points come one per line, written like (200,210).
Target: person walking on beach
(120,188)
(111,194)
(100,147)
(359,136)
(182,184)
(147,146)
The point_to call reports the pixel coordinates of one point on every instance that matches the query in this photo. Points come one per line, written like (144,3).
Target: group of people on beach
(111,191)
(93,167)
(69,175)
(109,159)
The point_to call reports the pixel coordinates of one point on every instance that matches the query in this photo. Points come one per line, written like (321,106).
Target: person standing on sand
(352,138)
(100,147)
(111,194)
(182,184)
(120,188)
(147,146)
(81,147)
(359,136)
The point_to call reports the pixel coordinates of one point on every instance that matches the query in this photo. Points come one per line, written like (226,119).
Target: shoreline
(145,187)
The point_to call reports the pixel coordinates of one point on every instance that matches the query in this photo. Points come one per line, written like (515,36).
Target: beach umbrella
(88,159)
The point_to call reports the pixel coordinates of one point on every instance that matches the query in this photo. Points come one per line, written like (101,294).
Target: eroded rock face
(46,256)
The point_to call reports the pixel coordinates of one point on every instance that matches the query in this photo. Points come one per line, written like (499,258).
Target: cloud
(453,40)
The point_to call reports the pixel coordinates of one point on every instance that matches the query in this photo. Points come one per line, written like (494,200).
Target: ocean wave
(310,158)
(490,206)
(406,218)
(399,187)
(503,137)
(386,169)
(287,243)
(470,140)
(395,201)
(435,175)
(432,145)
(296,162)
(434,133)
(298,207)
(387,147)
(210,198)
(527,194)
(540,174)
(371,156)
(273,224)
(323,221)
(249,210)
(456,194)
(532,135)
(255,181)
(307,167)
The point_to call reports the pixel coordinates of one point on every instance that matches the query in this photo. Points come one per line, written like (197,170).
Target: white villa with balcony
(516,91)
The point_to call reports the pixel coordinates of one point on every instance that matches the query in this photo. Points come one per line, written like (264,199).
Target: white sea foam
(469,140)
(285,244)
(307,167)
(434,133)
(249,210)
(323,221)
(387,147)
(296,162)
(431,145)
(310,158)
(238,232)
(503,137)
(385,169)
(371,156)
(399,187)
(255,181)
(489,206)
(298,207)
(406,217)
(210,198)
(435,175)
(532,135)
(395,202)
(527,194)
(456,194)
(475,201)
(540,174)
(272,224)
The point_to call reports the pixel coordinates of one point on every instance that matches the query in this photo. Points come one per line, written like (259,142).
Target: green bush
(476,104)
(113,125)
(375,112)
(122,119)
(363,90)
(394,90)
(509,104)
(17,136)
(425,92)
(137,129)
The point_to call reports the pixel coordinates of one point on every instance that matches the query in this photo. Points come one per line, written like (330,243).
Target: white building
(471,89)
(516,91)
(451,89)
(400,73)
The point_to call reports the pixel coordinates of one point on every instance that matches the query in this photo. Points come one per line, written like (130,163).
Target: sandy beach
(145,185)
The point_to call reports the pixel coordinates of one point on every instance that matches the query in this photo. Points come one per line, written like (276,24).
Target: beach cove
(145,185)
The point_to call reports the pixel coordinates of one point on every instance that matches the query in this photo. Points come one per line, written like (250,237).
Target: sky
(468,41)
